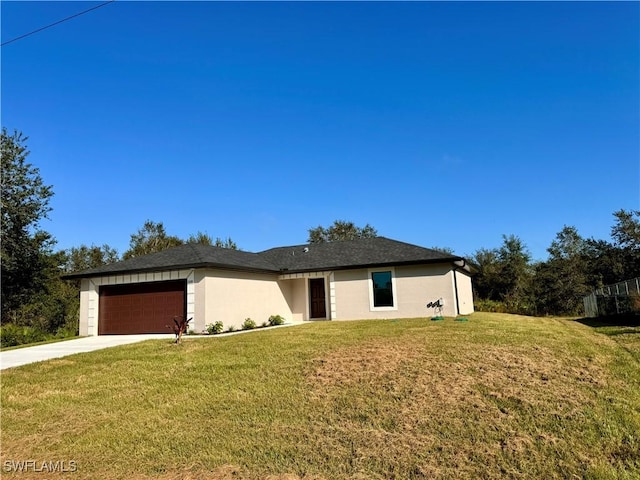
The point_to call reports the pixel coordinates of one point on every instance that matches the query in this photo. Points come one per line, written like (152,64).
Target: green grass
(499,396)
(623,329)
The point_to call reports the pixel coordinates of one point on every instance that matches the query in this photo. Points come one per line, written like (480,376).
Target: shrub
(215,328)
(67,330)
(9,335)
(12,335)
(275,320)
(231,328)
(248,324)
(494,306)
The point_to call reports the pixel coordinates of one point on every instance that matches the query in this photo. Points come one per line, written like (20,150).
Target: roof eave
(219,266)
(373,265)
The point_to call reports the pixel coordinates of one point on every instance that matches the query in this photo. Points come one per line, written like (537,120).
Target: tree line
(505,278)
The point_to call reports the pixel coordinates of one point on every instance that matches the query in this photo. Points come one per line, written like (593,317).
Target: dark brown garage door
(140,307)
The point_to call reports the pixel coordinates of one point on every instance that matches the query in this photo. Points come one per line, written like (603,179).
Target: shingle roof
(184,256)
(366,252)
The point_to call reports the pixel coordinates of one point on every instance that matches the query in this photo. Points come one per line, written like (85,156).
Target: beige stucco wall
(199,287)
(465,292)
(299,293)
(211,295)
(415,286)
(231,297)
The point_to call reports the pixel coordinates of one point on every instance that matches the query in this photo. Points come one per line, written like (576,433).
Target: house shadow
(625,323)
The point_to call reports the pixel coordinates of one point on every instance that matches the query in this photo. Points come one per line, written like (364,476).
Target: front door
(317,300)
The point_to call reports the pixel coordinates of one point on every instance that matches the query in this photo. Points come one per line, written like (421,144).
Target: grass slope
(500,396)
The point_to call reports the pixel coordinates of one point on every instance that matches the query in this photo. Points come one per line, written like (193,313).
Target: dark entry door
(317,300)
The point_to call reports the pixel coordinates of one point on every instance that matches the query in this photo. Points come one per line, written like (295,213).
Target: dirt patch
(225,472)
(406,406)
(363,363)
(456,376)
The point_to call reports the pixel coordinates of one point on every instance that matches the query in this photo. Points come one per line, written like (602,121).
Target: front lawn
(499,396)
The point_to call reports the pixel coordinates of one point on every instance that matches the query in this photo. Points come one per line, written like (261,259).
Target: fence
(621,297)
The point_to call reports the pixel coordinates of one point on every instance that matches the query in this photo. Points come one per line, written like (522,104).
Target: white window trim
(393,289)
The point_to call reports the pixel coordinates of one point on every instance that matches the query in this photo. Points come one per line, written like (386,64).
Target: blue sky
(440,124)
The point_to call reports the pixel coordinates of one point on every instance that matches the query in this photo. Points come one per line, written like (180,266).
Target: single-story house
(344,280)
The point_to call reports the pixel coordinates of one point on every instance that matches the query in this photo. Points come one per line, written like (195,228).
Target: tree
(505,275)
(626,231)
(56,306)
(485,281)
(514,281)
(206,239)
(83,257)
(25,248)
(611,262)
(561,281)
(626,236)
(567,245)
(340,230)
(226,243)
(151,238)
(606,263)
(58,311)
(444,250)
(200,238)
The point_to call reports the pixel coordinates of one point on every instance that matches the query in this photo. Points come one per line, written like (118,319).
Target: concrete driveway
(39,353)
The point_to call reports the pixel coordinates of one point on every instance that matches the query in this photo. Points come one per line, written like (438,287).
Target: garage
(140,307)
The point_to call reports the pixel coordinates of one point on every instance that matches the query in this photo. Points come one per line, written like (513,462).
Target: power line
(56,23)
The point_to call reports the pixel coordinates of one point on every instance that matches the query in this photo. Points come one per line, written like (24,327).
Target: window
(382,290)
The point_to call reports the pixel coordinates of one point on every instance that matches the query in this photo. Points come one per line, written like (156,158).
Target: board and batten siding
(415,286)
